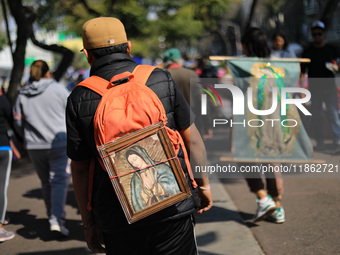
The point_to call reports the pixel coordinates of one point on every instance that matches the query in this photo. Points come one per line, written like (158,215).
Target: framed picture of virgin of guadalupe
(145,172)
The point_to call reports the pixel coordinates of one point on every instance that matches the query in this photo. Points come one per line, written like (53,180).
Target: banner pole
(260,160)
(222,58)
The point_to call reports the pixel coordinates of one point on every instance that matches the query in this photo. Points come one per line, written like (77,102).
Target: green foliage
(210,12)
(74,16)
(79,61)
(141,47)
(179,26)
(133,16)
(47,13)
(274,7)
(3,41)
(180,22)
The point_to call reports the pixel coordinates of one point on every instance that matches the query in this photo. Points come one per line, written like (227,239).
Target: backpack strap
(100,86)
(142,73)
(96,83)
(118,77)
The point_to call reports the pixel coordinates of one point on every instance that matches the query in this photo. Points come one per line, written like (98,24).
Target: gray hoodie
(39,114)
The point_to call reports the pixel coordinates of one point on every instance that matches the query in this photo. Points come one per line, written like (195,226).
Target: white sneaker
(6,235)
(278,216)
(265,206)
(61,229)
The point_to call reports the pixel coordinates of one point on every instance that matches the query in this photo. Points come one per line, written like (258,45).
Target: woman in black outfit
(5,164)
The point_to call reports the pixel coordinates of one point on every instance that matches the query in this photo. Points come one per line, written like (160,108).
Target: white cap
(318,24)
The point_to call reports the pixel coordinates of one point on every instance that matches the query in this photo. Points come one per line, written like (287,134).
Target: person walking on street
(321,83)
(186,78)
(167,232)
(280,46)
(255,44)
(5,164)
(39,117)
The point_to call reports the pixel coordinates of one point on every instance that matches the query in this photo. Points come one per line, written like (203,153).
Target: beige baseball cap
(103,32)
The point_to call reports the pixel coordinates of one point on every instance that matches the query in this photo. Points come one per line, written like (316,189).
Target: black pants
(5,172)
(175,237)
(273,182)
(273,187)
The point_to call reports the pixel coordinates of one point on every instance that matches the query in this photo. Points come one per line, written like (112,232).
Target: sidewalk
(219,231)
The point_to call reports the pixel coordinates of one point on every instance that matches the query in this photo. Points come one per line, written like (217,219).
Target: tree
(178,23)
(25,17)
(251,15)
(2,35)
(184,23)
(274,8)
(328,12)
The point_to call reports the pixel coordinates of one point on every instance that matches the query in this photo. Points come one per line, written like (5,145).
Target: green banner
(279,135)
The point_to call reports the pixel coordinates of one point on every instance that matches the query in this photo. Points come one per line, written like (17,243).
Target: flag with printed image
(276,136)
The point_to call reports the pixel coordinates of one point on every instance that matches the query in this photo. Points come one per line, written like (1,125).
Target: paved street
(28,218)
(312,217)
(311,204)
(220,231)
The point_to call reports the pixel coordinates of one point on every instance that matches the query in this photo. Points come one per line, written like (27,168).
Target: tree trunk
(252,11)
(64,63)
(328,13)
(24,19)
(4,10)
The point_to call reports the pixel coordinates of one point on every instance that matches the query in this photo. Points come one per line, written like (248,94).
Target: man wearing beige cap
(169,231)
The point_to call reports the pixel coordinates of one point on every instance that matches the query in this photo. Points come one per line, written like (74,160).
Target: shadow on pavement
(218,214)
(22,168)
(248,219)
(210,253)
(39,228)
(206,238)
(37,194)
(64,252)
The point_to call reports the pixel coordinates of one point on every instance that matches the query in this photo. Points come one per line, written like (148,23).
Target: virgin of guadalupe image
(271,140)
(152,184)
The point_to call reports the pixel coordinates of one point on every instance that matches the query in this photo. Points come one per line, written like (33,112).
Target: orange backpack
(126,108)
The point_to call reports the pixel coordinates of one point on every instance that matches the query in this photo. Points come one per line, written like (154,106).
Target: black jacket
(81,107)
(5,115)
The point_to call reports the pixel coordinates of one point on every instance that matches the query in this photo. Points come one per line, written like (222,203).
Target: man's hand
(206,200)
(196,149)
(94,238)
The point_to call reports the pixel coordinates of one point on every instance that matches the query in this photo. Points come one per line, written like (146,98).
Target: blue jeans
(51,166)
(324,90)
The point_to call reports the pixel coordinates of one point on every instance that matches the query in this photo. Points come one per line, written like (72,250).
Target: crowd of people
(56,126)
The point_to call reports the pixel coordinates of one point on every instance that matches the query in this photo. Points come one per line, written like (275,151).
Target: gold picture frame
(145,172)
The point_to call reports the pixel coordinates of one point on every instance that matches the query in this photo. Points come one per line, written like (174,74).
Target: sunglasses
(317,34)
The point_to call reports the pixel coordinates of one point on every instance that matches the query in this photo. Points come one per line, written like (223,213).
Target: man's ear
(48,74)
(89,56)
(128,51)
